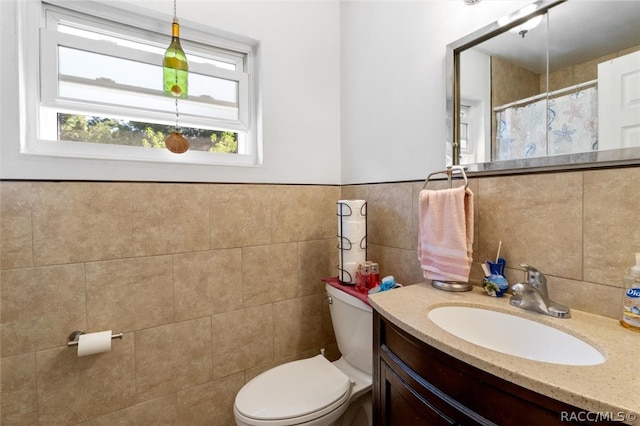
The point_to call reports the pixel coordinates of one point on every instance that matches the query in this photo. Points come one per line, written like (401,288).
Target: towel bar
(449,173)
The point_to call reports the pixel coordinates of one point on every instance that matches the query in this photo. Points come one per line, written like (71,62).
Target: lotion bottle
(631,299)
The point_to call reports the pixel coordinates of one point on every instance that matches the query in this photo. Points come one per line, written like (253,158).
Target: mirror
(552,86)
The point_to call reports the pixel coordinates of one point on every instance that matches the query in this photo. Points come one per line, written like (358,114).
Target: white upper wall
(299,45)
(352,91)
(393,83)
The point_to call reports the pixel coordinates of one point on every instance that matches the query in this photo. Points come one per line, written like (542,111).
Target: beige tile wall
(212,284)
(512,83)
(579,73)
(579,228)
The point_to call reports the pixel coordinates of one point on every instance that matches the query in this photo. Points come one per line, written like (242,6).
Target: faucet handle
(534,277)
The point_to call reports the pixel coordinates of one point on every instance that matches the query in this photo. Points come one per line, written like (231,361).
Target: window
(466,145)
(99,88)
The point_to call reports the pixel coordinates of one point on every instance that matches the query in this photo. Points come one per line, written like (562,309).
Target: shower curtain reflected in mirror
(571,121)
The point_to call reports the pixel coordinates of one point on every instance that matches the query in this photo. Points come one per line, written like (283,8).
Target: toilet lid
(293,389)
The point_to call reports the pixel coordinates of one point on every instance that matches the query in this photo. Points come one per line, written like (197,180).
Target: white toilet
(315,391)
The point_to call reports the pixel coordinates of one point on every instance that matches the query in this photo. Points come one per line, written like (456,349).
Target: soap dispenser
(631,299)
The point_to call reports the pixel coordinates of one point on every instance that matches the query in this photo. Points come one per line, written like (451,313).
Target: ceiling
(578,31)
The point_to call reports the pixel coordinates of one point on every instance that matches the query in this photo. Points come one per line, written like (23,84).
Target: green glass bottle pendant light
(175,67)
(176,82)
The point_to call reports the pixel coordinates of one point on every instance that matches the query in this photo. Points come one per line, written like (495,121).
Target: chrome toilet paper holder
(74,337)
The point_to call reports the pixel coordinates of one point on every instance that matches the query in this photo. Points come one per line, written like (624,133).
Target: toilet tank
(352,321)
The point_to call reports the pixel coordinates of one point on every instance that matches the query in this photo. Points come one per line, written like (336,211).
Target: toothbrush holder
(497,268)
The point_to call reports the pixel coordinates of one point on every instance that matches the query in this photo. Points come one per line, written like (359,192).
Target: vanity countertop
(612,388)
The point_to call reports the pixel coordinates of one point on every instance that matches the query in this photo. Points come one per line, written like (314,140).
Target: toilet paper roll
(355,255)
(348,261)
(352,242)
(94,343)
(347,272)
(354,230)
(352,208)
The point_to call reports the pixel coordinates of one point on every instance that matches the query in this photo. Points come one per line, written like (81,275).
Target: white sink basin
(515,335)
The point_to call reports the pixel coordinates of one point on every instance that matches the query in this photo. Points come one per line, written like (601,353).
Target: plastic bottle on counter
(631,299)
(374,276)
(362,277)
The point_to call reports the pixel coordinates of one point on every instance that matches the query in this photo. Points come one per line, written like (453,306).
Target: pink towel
(445,225)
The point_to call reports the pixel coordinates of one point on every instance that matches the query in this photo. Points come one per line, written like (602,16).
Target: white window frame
(39,100)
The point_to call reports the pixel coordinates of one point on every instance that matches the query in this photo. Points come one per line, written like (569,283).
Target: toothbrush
(485,269)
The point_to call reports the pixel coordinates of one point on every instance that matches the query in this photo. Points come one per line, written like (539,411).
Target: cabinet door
(403,406)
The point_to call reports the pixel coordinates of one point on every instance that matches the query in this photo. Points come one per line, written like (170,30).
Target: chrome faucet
(534,296)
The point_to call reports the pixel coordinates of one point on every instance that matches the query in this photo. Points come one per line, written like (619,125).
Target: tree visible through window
(80,128)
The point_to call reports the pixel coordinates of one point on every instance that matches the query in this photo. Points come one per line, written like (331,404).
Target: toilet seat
(293,393)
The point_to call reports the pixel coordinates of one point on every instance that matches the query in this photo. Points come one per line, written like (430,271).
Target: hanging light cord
(175,15)
(177,116)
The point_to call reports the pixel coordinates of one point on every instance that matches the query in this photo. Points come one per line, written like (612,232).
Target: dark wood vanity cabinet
(416,384)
